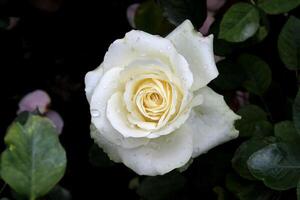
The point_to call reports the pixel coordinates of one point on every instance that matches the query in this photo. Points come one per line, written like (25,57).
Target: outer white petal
(211,123)
(117,115)
(109,148)
(102,93)
(138,44)
(91,79)
(197,50)
(161,155)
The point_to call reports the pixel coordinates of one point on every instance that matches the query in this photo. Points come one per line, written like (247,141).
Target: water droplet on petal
(95,113)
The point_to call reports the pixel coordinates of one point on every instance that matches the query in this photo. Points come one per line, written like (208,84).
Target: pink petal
(207,23)
(13,21)
(131,13)
(56,119)
(214,5)
(239,100)
(37,99)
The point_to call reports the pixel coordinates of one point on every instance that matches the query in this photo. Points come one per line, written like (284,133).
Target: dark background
(56,42)
(52,47)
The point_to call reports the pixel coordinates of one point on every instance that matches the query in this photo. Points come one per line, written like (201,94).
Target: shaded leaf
(277,165)
(277,6)
(179,10)
(161,187)
(289,43)
(251,116)
(239,23)
(248,190)
(149,18)
(285,131)
(220,192)
(296,112)
(245,150)
(258,74)
(34,160)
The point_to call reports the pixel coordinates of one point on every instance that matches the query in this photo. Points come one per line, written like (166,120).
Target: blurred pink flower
(37,99)
(215,5)
(56,119)
(131,10)
(207,23)
(239,100)
(40,100)
(13,21)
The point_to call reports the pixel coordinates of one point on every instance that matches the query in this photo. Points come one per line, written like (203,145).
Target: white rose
(150,106)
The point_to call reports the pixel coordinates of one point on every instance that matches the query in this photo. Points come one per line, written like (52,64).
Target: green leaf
(277,165)
(263,29)
(179,10)
(34,160)
(248,190)
(285,131)
(258,74)
(245,150)
(239,23)
(251,116)
(161,187)
(98,158)
(296,112)
(277,6)
(149,18)
(59,193)
(231,76)
(289,43)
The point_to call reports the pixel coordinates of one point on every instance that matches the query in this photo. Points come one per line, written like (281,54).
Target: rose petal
(56,119)
(117,115)
(138,44)
(102,93)
(37,99)
(91,80)
(108,147)
(211,123)
(161,155)
(198,51)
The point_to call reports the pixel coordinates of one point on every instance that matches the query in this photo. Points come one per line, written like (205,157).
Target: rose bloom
(150,105)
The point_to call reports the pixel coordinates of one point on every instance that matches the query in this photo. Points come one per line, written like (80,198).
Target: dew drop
(95,113)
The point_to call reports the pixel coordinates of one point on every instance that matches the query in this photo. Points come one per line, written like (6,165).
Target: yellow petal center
(153,97)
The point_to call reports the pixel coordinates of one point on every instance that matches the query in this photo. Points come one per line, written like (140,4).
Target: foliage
(259,41)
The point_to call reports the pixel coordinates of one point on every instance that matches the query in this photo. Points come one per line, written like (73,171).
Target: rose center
(153,98)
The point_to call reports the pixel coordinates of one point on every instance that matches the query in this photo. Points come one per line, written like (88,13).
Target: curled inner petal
(153,98)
